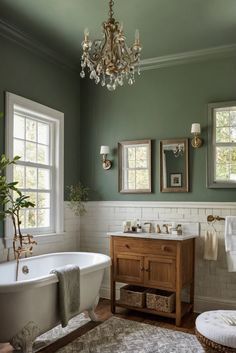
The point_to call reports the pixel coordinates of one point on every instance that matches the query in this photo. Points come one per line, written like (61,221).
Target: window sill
(41,239)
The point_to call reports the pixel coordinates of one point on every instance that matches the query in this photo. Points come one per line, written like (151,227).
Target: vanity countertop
(160,236)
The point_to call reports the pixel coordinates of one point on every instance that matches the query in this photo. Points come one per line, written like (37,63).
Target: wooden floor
(103,313)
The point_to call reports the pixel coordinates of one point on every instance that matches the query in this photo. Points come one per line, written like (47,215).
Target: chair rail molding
(164,204)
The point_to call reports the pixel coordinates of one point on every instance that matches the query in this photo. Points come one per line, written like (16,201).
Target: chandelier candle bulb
(86,34)
(137,36)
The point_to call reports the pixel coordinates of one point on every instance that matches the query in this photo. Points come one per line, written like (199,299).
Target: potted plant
(11,202)
(77,196)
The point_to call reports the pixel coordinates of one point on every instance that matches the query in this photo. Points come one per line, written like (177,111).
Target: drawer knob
(127,246)
(164,248)
(147,269)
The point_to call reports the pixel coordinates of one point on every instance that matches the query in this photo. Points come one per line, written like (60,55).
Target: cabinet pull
(127,246)
(164,248)
(147,269)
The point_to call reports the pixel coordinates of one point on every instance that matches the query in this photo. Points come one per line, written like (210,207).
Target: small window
(222,145)
(135,166)
(35,133)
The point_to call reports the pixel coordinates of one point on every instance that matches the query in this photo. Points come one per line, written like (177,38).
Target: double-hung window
(35,133)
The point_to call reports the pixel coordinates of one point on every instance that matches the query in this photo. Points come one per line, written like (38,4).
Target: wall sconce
(196,131)
(106,163)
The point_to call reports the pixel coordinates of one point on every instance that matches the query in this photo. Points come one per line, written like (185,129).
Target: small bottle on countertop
(139,228)
(179,229)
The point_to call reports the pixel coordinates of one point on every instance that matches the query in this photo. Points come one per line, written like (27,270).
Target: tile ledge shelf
(163,204)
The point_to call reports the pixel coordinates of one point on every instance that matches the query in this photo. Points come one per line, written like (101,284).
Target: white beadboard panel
(215,287)
(68,241)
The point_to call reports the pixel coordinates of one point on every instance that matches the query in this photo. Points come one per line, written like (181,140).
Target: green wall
(27,74)
(161,105)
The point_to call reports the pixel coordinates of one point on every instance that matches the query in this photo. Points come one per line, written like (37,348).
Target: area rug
(125,336)
(59,332)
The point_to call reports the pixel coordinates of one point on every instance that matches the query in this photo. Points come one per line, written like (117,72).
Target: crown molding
(14,34)
(223,51)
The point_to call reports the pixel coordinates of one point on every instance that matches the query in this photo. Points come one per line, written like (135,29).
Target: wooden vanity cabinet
(153,263)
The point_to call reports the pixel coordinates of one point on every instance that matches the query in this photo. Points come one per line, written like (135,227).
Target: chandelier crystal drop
(110,61)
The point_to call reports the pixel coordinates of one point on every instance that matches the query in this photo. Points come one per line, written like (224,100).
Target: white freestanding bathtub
(34,297)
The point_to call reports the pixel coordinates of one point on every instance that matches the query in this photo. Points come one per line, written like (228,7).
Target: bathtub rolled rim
(52,278)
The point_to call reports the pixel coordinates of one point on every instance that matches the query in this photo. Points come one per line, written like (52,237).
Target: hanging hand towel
(230,233)
(211,245)
(69,292)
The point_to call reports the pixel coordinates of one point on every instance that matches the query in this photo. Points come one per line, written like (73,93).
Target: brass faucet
(166,228)
(150,226)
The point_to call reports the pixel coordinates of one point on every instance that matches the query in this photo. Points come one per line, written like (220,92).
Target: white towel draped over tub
(211,245)
(69,292)
(230,242)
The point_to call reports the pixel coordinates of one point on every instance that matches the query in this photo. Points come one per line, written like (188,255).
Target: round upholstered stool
(214,333)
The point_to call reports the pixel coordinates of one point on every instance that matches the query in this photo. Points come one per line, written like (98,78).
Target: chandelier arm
(95,60)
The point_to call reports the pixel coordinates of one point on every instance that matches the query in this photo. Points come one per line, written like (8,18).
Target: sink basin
(152,234)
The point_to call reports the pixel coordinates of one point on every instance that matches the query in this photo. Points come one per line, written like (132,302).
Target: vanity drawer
(144,246)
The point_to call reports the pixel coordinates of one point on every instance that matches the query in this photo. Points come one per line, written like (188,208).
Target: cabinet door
(128,268)
(159,272)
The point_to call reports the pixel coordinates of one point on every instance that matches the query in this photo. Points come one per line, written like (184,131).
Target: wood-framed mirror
(134,166)
(174,173)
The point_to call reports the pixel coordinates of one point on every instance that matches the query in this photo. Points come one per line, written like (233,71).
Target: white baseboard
(201,303)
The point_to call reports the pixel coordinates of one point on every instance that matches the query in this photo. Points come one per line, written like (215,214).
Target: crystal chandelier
(109,60)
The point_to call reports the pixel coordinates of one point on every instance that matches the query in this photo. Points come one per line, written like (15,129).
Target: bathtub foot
(25,338)
(92,315)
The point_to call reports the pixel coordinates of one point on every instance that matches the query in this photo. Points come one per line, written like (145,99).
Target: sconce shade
(104,150)
(196,128)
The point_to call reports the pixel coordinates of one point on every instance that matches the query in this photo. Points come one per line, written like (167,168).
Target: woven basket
(212,347)
(160,300)
(133,296)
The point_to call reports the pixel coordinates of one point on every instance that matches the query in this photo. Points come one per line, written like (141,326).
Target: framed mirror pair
(135,169)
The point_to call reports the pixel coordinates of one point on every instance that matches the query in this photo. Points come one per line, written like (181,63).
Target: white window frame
(43,113)
(211,153)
